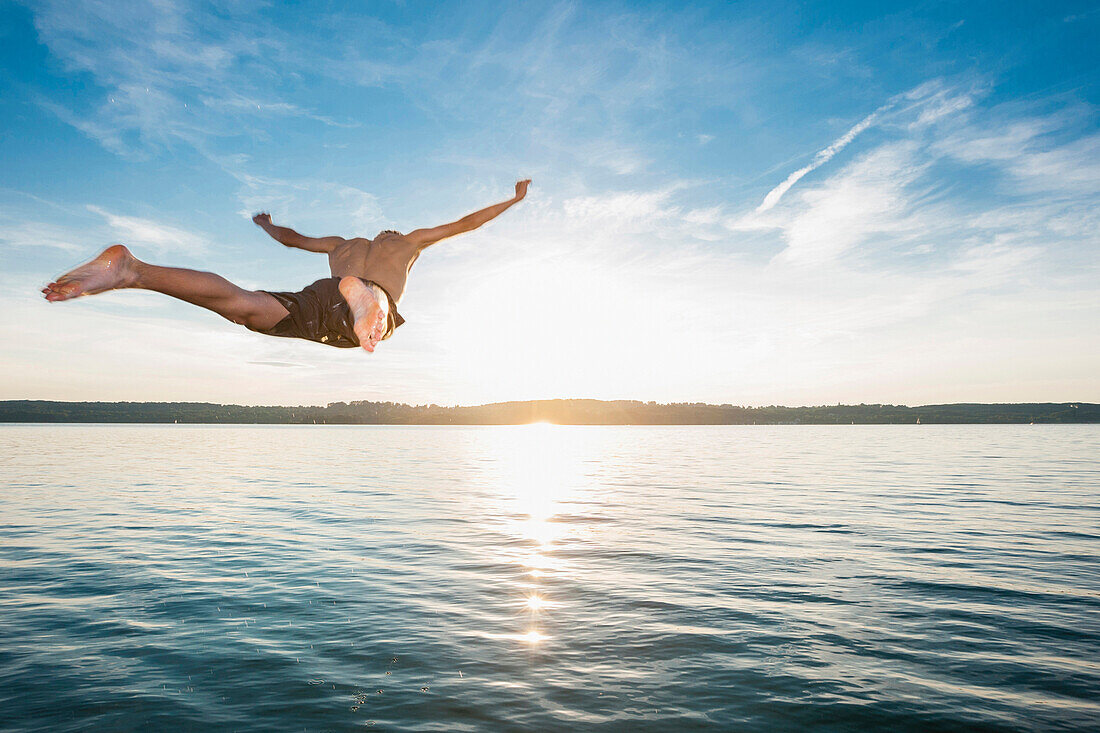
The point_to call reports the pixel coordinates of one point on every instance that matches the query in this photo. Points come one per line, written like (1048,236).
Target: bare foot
(114,268)
(368,311)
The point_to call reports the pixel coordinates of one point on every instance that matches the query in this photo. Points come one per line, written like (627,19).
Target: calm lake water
(549,578)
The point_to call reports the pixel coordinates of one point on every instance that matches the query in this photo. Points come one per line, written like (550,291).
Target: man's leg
(116,268)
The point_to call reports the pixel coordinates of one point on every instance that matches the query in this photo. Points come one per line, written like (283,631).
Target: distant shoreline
(563,412)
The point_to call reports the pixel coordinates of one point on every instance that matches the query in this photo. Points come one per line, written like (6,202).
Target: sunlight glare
(539,465)
(531,335)
(539,472)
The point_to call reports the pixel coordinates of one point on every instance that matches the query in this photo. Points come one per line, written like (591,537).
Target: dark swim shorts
(320,313)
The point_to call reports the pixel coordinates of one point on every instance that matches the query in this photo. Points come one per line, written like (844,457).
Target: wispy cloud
(162,238)
(821,158)
(922,106)
(320,207)
(1033,152)
(870,198)
(37,234)
(892,197)
(253,105)
(165,79)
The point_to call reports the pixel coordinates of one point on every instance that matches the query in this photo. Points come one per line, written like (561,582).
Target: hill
(567,412)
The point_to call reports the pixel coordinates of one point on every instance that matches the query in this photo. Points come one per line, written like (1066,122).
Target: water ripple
(550,578)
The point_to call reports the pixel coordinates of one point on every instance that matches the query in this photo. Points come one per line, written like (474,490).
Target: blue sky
(753,203)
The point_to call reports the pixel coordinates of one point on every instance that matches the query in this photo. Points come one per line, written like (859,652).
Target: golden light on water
(538,471)
(538,466)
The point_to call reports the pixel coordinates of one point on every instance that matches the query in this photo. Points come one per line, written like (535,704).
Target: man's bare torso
(385,260)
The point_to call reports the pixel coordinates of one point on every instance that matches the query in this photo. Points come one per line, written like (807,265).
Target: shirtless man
(356,306)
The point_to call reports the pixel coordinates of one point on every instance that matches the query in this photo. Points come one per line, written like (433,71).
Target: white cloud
(895,196)
(991,262)
(162,238)
(320,208)
(931,101)
(869,198)
(1033,154)
(821,158)
(626,210)
(167,76)
(259,106)
(36,234)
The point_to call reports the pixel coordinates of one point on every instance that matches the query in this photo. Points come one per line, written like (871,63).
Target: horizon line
(548,399)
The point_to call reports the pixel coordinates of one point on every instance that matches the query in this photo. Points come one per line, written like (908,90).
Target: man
(356,306)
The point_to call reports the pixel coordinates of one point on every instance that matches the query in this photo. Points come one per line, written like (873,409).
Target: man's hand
(521,188)
(263,219)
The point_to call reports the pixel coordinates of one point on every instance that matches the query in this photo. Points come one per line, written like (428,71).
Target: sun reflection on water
(533,637)
(538,471)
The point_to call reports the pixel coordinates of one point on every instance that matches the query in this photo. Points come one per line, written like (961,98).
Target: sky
(749,203)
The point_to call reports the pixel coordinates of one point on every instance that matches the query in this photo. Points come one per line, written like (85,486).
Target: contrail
(820,159)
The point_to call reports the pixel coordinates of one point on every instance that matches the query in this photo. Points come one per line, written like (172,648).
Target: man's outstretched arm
(425,237)
(291,238)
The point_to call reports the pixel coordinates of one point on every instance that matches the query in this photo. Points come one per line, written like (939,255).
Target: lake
(840,578)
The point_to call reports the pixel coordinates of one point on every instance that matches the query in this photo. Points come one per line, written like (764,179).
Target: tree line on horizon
(564,411)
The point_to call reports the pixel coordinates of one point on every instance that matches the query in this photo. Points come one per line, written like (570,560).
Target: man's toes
(63,291)
(381,319)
